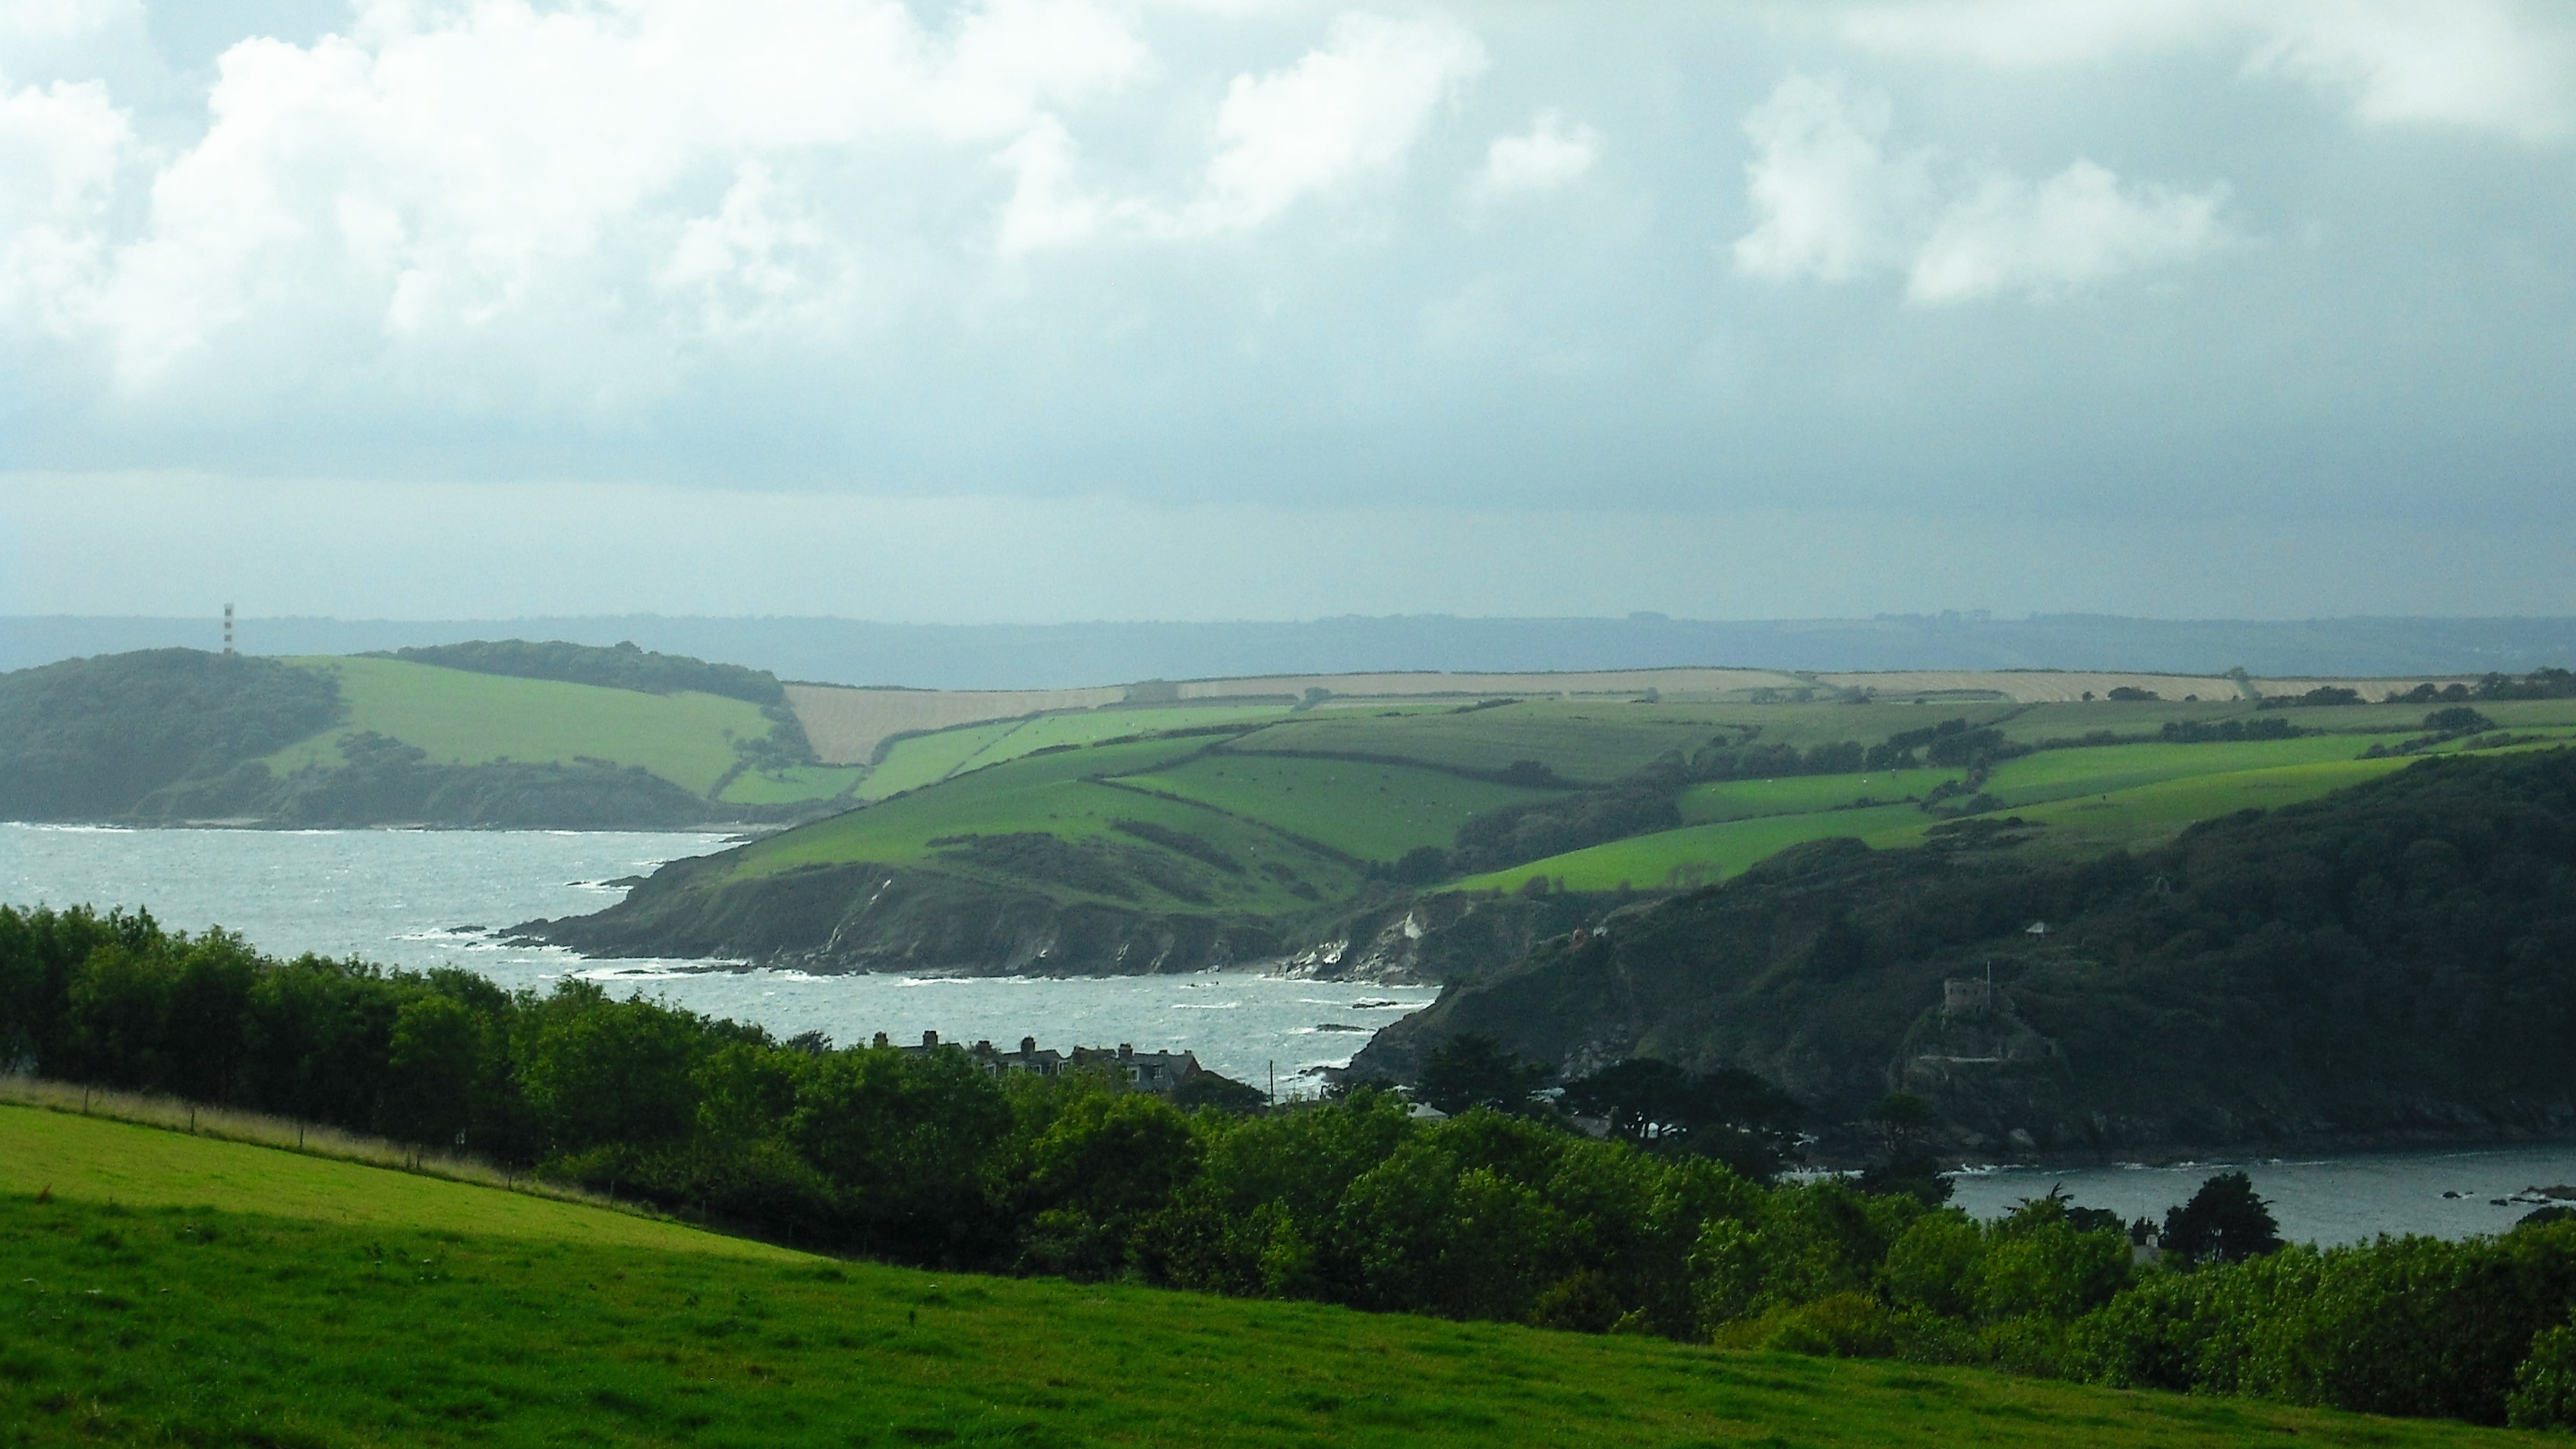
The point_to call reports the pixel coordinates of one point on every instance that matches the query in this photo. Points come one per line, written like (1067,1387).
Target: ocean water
(2446,1194)
(423,898)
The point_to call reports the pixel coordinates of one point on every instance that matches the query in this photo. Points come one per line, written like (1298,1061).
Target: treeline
(1494,1214)
(2544,683)
(623,667)
(92,739)
(2226,731)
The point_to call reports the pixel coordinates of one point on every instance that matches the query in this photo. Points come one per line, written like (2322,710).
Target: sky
(1033,310)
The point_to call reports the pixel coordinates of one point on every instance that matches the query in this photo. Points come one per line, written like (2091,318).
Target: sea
(424,898)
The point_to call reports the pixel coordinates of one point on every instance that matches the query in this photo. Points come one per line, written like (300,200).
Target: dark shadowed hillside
(2386,962)
(89,739)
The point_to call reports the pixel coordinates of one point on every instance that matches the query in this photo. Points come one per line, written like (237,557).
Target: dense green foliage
(191,1325)
(622,667)
(383,781)
(92,739)
(921,1157)
(2389,958)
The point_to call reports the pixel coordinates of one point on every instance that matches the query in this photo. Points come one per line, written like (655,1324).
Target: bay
(427,898)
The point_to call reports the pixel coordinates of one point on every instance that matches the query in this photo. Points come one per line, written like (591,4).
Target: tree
(614,1072)
(1729,1114)
(430,1067)
(2225,1222)
(1477,1071)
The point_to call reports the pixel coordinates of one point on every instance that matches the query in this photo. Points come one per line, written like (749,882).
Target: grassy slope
(1059,794)
(927,759)
(418,1326)
(95,1160)
(471,719)
(2092,820)
(1376,812)
(1797,794)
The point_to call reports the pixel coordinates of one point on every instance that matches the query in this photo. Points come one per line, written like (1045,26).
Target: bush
(2544,1386)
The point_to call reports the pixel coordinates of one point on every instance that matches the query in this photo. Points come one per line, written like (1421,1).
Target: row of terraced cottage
(1160,1072)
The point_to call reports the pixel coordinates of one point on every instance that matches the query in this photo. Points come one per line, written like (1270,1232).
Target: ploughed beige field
(847,725)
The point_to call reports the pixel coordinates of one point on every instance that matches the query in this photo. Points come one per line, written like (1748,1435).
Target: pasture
(1799,794)
(1698,855)
(1074,795)
(463,718)
(1372,811)
(221,1298)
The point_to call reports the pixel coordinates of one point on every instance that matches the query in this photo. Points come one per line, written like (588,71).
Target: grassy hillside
(91,1159)
(1293,825)
(194,1320)
(463,718)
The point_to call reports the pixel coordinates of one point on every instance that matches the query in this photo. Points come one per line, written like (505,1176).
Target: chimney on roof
(930,1038)
(881,1041)
(1126,1050)
(984,1045)
(1029,1044)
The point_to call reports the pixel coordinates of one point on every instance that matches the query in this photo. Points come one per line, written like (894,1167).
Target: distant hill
(1036,656)
(519,734)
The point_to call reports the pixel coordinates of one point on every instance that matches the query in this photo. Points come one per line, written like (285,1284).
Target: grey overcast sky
(1052,309)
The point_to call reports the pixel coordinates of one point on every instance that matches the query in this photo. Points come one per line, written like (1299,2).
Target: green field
(2080,820)
(1587,741)
(1375,812)
(221,1299)
(1071,796)
(926,759)
(462,718)
(1698,855)
(95,1160)
(1798,794)
(793,784)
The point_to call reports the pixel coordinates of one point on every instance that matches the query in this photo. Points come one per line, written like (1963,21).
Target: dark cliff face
(864,917)
(2387,964)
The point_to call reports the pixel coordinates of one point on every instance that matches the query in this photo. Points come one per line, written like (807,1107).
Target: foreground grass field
(197,1319)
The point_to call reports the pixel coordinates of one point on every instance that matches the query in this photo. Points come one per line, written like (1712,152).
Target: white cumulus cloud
(1553,153)
(1831,203)
(1353,105)
(2507,66)
(61,148)
(2062,234)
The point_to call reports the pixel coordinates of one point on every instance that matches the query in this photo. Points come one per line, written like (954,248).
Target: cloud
(437,168)
(1046,208)
(1830,203)
(61,148)
(2506,66)
(2067,232)
(1355,104)
(1820,182)
(1553,154)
